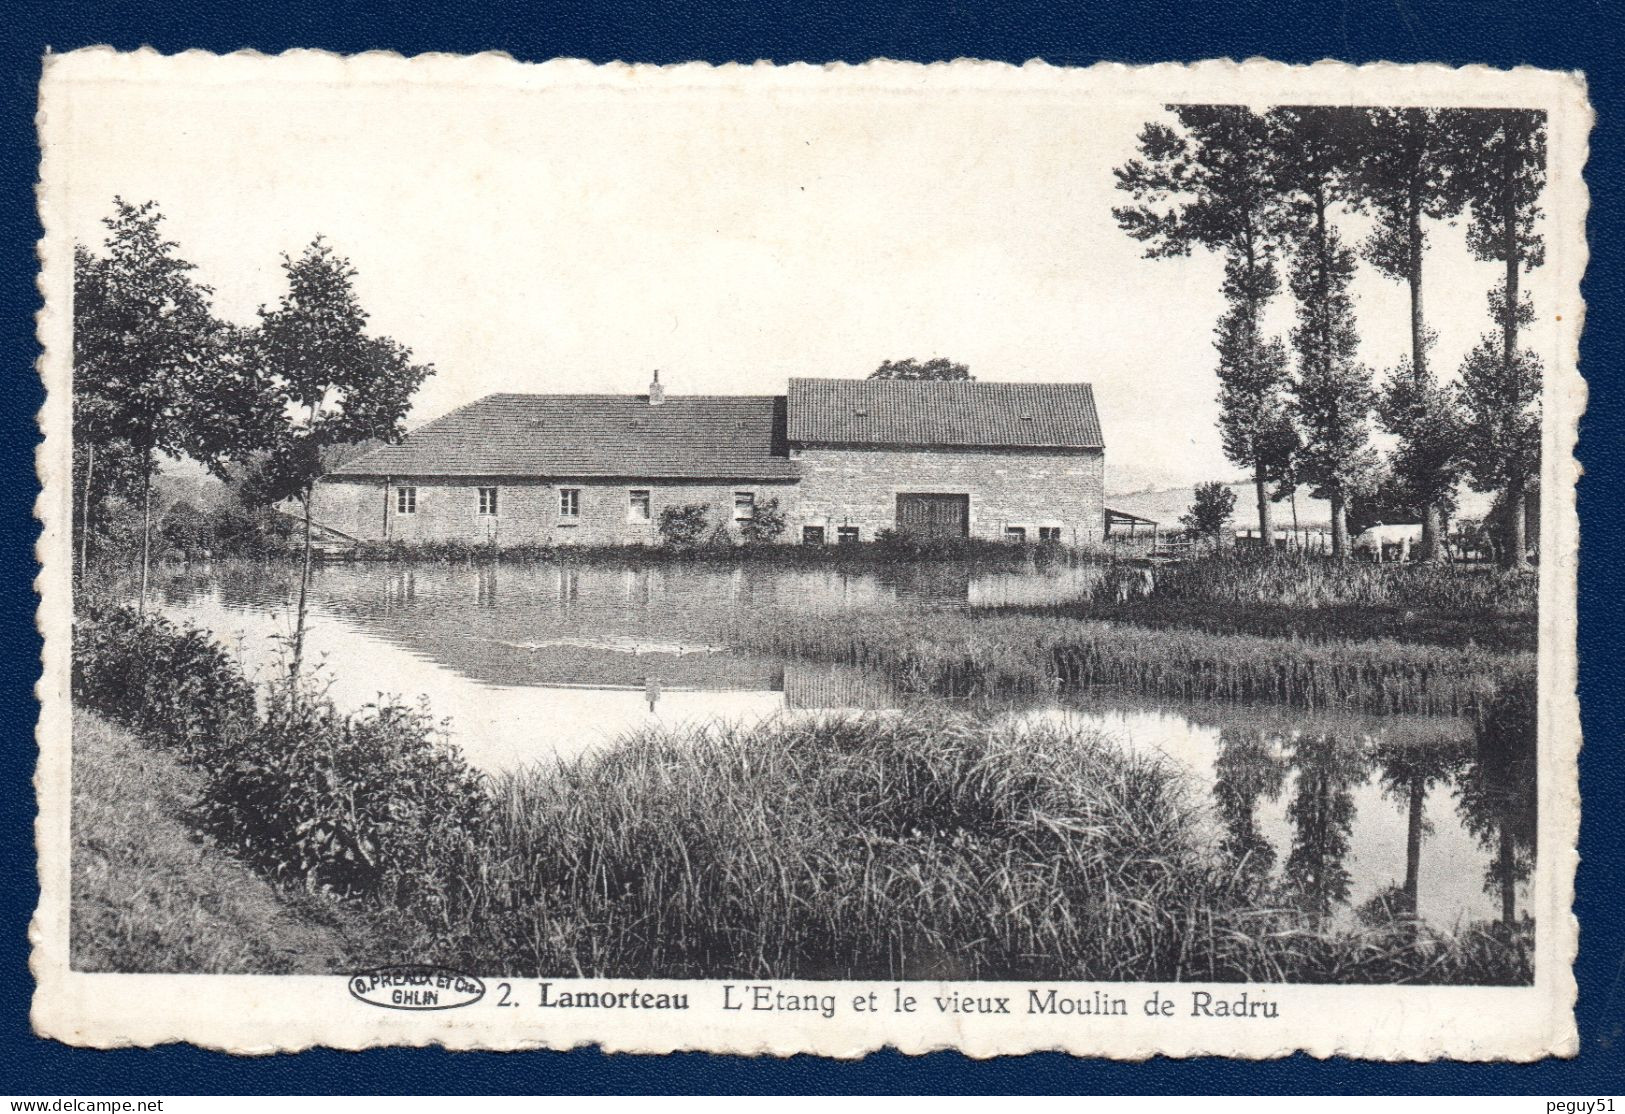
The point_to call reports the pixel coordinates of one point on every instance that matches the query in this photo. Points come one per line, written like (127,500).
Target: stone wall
(528,511)
(1030,488)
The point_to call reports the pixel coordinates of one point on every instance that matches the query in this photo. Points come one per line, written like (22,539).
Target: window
(569,502)
(406,500)
(1051,534)
(488,501)
(744,506)
(812,535)
(846,535)
(637,506)
(1015,535)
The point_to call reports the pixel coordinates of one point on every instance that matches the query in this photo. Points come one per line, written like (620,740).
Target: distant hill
(1165,505)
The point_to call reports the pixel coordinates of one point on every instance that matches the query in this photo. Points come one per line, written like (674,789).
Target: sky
(573,238)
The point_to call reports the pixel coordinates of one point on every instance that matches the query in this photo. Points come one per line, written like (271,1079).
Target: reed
(1292,582)
(895,847)
(953,653)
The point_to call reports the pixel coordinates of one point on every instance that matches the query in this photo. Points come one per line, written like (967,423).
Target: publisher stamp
(416,987)
(776,560)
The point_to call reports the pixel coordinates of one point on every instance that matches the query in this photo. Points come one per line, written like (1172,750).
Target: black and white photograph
(635,542)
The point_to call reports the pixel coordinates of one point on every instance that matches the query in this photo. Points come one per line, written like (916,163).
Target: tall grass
(1307,583)
(960,654)
(1289,596)
(892,847)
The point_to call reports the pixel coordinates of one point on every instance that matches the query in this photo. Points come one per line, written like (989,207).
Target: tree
(1212,185)
(1426,420)
(1331,394)
(323,384)
(1403,174)
(1501,156)
(1500,429)
(1215,504)
(938,369)
(144,341)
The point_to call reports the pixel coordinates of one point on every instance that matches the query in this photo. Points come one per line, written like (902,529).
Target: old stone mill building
(845,458)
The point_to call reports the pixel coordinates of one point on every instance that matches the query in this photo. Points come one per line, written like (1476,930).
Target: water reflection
(1249,769)
(1344,816)
(1409,773)
(1497,799)
(1327,768)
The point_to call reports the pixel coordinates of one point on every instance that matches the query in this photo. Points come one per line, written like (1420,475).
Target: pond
(540,662)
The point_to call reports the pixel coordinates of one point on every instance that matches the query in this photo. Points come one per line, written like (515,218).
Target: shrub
(682,526)
(1215,504)
(172,685)
(766,524)
(354,804)
(186,529)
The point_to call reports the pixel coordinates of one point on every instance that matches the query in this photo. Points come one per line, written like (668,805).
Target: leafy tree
(766,523)
(1500,428)
(143,350)
(1501,155)
(682,526)
(1212,184)
(938,369)
(1331,395)
(1215,504)
(1404,173)
(322,383)
(1426,420)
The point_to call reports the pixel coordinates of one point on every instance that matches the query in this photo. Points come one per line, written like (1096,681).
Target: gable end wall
(844,485)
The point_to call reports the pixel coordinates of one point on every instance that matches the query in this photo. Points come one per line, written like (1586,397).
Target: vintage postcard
(799,559)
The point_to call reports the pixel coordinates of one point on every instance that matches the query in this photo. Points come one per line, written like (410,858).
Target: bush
(171,685)
(682,526)
(354,804)
(765,525)
(187,530)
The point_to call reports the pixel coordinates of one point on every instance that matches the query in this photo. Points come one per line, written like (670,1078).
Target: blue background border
(1556,33)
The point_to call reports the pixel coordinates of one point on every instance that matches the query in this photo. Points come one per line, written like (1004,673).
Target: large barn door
(935,516)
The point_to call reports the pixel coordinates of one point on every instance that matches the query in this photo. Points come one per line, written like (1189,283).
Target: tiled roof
(913,412)
(687,437)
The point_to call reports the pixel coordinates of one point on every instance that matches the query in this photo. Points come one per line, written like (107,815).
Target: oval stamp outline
(415,976)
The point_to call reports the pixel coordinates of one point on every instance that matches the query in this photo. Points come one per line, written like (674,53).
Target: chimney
(657,393)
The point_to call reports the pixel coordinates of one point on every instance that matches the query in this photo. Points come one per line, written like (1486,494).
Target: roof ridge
(606,394)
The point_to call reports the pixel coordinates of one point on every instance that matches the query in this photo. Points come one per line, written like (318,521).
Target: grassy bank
(149,894)
(981,654)
(897,848)
(1314,599)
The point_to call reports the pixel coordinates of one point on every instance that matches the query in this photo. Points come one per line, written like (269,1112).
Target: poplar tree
(1403,173)
(324,383)
(1211,185)
(1331,395)
(1501,160)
